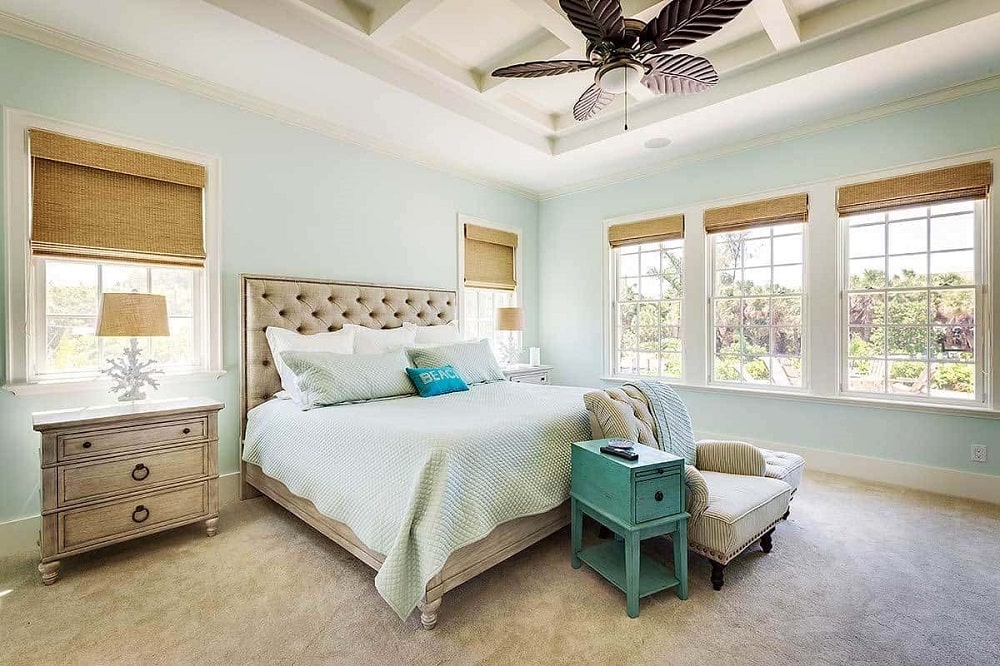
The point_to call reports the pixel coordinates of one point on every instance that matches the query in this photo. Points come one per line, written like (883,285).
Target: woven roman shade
(647,231)
(489,258)
(100,202)
(791,208)
(966,181)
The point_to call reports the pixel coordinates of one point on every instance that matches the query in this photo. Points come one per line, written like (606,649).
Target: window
(66,306)
(104,214)
(649,288)
(911,303)
(757,305)
(479,312)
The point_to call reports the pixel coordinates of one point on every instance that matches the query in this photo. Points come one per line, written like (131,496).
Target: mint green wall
(570,260)
(293,203)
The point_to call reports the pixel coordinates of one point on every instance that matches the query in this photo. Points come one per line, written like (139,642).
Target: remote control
(625,452)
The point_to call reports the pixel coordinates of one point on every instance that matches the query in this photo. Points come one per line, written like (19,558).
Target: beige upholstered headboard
(316,306)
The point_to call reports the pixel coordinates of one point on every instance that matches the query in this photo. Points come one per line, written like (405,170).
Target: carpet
(860,574)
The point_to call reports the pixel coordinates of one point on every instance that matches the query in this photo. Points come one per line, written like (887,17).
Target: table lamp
(512,320)
(136,316)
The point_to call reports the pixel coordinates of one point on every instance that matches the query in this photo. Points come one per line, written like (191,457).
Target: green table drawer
(657,497)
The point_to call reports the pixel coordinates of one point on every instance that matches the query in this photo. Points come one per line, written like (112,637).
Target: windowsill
(92,384)
(801,395)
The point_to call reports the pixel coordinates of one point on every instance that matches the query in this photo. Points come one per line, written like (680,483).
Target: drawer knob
(87,445)
(658,496)
(140,472)
(186,431)
(140,514)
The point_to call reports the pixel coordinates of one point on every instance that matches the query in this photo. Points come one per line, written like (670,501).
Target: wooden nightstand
(635,499)
(114,473)
(528,374)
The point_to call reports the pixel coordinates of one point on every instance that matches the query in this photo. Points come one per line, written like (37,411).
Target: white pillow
(436,335)
(379,341)
(281,340)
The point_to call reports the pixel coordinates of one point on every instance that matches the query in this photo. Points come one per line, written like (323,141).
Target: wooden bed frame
(313,306)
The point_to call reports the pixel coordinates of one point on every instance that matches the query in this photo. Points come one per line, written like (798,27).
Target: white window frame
(710,261)
(614,261)
(24,283)
(981,362)
(464,219)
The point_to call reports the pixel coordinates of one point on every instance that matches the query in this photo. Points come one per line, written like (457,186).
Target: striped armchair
(734,496)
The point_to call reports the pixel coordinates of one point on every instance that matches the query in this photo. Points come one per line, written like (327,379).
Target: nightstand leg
(681,559)
(212,526)
(49,571)
(576,532)
(632,574)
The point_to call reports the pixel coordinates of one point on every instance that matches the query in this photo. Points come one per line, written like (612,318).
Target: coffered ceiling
(411,77)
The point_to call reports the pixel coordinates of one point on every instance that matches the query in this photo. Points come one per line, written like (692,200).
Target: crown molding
(30,31)
(923,100)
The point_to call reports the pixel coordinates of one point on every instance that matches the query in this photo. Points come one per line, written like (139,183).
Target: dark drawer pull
(658,496)
(186,431)
(140,469)
(140,511)
(87,445)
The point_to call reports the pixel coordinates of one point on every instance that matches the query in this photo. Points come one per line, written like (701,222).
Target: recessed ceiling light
(657,143)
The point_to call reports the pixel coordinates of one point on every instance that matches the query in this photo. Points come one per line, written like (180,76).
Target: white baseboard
(20,535)
(955,483)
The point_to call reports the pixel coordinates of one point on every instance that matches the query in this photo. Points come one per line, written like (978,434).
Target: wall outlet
(980,453)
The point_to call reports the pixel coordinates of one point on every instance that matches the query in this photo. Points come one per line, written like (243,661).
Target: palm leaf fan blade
(679,74)
(683,22)
(598,20)
(531,70)
(591,101)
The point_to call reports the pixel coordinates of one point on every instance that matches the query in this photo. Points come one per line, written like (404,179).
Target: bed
(446,487)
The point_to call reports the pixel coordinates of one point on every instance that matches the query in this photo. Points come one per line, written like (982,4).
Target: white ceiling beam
(780,22)
(550,16)
(340,10)
(437,61)
(390,19)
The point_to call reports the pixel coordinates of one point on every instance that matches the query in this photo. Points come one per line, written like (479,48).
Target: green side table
(635,499)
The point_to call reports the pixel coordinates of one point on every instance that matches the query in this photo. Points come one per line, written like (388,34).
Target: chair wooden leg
(718,575)
(765,542)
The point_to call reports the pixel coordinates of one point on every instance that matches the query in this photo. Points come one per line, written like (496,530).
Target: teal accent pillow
(436,381)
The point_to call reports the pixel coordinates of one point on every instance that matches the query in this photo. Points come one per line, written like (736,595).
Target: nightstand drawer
(539,378)
(657,497)
(81,528)
(97,442)
(88,481)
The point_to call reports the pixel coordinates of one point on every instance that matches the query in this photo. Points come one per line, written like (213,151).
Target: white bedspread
(418,478)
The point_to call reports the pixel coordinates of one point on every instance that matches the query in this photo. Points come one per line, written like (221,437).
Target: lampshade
(510,319)
(132,316)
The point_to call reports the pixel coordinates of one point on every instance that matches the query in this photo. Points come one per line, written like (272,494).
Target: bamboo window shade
(647,231)
(489,258)
(962,182)
(100,202)
(787,209)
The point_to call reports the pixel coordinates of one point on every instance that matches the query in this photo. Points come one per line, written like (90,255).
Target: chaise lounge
(736,492)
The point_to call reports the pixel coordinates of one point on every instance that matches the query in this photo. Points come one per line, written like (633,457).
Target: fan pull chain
(626,99)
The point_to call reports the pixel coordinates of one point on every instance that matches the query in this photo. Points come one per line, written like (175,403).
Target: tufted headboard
(317,306)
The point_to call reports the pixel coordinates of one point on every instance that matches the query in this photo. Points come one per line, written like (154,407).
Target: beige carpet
(859,574)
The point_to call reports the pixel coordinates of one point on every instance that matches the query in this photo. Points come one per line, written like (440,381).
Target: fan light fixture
(625,51)
(618,77)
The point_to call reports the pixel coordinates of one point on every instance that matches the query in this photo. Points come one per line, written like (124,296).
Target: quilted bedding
(418,478)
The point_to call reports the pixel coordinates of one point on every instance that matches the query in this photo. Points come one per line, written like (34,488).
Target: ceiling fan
(625,50)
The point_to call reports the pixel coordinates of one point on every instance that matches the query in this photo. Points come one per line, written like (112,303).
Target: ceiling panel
(475,32)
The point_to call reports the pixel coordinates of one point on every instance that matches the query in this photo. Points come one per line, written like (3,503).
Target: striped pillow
(474,361)
(332,379)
